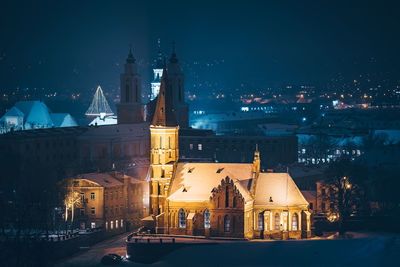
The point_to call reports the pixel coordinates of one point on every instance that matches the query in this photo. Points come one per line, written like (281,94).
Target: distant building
(157,73)
(109,200)
(130,109)
(107,120)
(26,115)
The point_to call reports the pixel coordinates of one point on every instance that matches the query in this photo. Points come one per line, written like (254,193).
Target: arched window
(206,219)
(277,221)
(295,222)
(234,202)
(182,218)
(227,224)
(226,197)
(261,221)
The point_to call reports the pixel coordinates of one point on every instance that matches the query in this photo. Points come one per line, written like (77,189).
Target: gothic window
(295,222)
(182,218)
(226,197)
(218,202)
(234,202)
(169,141)
(227,224)
(206,219)
(261,221)
(277,221)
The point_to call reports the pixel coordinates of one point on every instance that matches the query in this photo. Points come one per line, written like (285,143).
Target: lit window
(261,221)
(122,223)
(92,196)
(93,225)
(112,225)
(106,225)
(191,146)
(277,222)
(182,218)
(200,147)
(116,224)
(227,224)
(206,219)
(93,211)
(295,222)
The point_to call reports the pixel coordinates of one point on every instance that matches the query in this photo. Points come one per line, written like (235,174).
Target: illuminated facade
(217,199)
(112,201)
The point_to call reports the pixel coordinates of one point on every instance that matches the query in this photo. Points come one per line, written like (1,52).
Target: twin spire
(164,114)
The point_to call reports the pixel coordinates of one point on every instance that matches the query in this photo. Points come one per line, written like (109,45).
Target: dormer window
(220,170)
(184,189)
(270,199)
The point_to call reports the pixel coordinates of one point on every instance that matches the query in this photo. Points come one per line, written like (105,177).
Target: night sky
(79,44)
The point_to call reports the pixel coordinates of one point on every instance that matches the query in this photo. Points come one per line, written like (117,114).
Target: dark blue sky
(78,44)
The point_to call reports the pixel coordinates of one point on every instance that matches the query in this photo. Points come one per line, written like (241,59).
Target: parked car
(111,259)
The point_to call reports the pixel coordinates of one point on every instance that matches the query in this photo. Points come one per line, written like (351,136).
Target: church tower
(164,151)
(130,109)
(176,79)
(157,72)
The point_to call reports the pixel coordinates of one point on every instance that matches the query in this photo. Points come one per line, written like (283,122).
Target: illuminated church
(215,199)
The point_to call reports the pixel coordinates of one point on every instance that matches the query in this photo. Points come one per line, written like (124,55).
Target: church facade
(217,199)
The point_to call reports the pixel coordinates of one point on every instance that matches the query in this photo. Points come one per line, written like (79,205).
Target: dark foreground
(375,250)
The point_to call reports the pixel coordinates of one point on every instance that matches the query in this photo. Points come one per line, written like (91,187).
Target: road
(93,255)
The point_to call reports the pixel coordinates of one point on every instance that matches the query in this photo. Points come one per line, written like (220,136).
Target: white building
(25,115)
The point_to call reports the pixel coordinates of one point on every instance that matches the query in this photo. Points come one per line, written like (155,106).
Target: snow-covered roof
(199,179)
(13,112)
(35,113)
(63,120)
(107,120)
(103,179)
(280,187)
